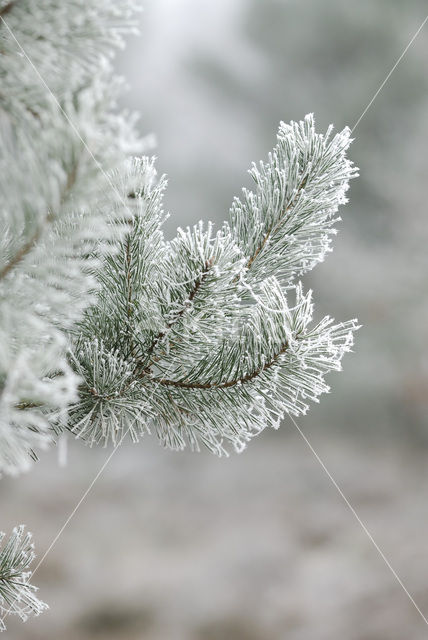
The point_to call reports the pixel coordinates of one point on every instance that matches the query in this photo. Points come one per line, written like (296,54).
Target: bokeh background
(261,546)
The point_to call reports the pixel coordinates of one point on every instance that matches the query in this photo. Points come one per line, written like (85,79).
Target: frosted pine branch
(285,225)
(17,595)
(59,213)
(207,339)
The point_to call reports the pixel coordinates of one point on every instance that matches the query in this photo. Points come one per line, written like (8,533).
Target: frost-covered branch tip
(285,224)
(17,595)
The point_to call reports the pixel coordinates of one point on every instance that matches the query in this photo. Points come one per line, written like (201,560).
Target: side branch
(181,384)
(31,242)
(26,248)
(275,228)
(129,306)
(191,296)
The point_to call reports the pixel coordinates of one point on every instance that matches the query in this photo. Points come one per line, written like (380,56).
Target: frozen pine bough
(208,339)
(107,330)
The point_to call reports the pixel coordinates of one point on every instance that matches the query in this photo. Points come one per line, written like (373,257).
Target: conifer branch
(243,337)
(48,261)
(182,384)
(17,595)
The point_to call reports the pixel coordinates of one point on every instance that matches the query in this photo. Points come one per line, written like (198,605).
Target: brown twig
(191,296)
(181,384)
(7,7)
(128,260)
(26,248)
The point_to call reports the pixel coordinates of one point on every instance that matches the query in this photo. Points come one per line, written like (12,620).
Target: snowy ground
(186,547)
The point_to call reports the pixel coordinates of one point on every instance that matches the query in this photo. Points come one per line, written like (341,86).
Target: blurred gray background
(261,546)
